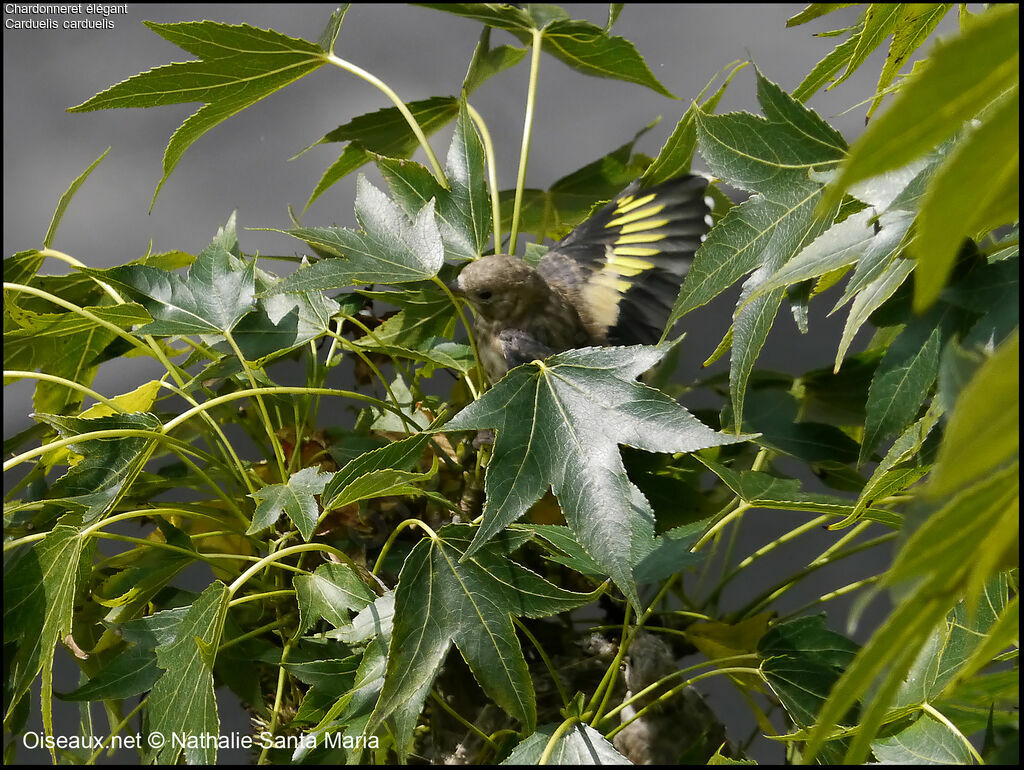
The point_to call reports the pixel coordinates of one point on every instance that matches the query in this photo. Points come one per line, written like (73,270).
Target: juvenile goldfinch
(611,281)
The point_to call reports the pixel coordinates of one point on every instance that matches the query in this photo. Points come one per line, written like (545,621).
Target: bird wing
(622,267)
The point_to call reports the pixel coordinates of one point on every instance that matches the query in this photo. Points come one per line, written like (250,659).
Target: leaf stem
(524,152)
(282,461)
(556,736)
(402,108)
(278,696)
(462,720)
(391,539)
(271,558)
(67,384)
(469,333)
(544,657)
(492,174)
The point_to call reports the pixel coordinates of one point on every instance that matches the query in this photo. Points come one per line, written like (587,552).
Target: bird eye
(484,295)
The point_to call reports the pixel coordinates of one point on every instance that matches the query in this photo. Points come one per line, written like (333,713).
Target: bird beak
(455,288)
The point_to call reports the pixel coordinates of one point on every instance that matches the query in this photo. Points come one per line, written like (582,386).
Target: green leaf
(182,701)
(902,381)
(212,299)
(559,423)
(281,322)
(390,249)
(962,75)
(296,499)
(771,156)
(870,299)
(982,433)
(888,477)
(762,490)
(951,646)
(926,742)
(813,11)
(824,71)
(580,745)
(463,211)
(581,45)
(39,594)
(130,672)
(384,132)
(975,190)
(108,466)
(329,36)
(676,154)
(880,21)
(65,200)
(239,65)
(371,467)
(801,659)
(589,49)
(488,62)
(327,593)
(917,22)
(444,595)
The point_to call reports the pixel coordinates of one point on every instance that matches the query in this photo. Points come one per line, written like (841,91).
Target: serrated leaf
(982,432)
(108,466)
(975,190)
(926,742)
(952,645)
(772,157)
(463,210)
(131,672)
(390,249)
(916,24)
(880,20)
(216,294)
(813,11)
(239,65)
(39,593)
(281,323)
(327,593)
(801,660)
(825,70)
(580,745)
(962,75)
(870,299)
(446,596)
(65,200)
(329,36)
(182,701)
(581,45)
(904,376)
(384,132)
(488,62)
(676,154)
(296,499)
(887,478)
(559,423)
(398,456)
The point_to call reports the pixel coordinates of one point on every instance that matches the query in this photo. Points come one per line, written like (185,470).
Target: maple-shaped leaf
(772,157)
(328,593)
(219,290)
(239,65)
(559,424)
(445,595)
(463,208)
(390,248)
(296,499)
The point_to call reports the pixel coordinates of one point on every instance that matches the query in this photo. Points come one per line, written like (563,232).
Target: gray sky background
(243,165)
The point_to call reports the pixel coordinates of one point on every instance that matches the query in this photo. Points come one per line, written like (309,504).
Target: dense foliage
(361,561)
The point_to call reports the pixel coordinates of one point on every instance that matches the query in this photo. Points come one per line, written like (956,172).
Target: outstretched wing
(623,266)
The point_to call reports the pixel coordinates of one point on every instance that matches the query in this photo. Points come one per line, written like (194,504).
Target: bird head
(500,287)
